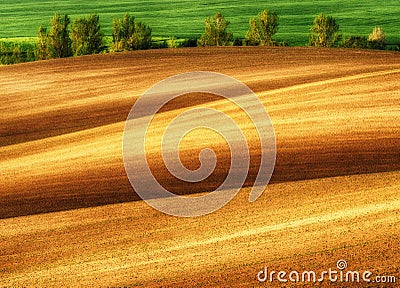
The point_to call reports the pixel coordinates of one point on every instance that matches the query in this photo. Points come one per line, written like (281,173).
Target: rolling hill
(68,213)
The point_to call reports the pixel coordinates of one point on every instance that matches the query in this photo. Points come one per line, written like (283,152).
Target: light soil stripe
(114,264)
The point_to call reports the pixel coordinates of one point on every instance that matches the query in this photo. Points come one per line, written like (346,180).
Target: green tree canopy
(59,43)
(324,32)
(130,35)
(56,42)
(262,29)
(42,46)
(86,36)
(216,33)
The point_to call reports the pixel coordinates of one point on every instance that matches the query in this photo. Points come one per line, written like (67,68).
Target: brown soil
(335,113)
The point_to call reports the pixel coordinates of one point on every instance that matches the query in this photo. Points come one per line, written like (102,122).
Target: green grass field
(185,18)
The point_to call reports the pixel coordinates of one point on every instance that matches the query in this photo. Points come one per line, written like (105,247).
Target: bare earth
(67,211)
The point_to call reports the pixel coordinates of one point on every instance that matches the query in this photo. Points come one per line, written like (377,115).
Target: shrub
(189,43)
(282,44)
(324,32)
(216,33)
(238,42)
(13,53)
(359,42)
(172,42)
(262,29)
(159,44)
(377,39)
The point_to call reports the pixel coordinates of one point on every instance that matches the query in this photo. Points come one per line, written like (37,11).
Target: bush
(281,43)
(13,53)
(238,42)
(129,35)
(160,44)
(358,42)
(324,32)
(189,43)
(377,39)
(172,42)
(262,29)
(216,33)
(86,36)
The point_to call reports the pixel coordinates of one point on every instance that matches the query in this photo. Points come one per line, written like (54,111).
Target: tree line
(84,36)
(323,33)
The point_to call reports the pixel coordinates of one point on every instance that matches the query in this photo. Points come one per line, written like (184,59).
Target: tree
(216,33)
(324,32)
(130,35)
(377,39)
(86,36)
(117,35)
(262,29)
(141,38)
(42,47)
(59,43)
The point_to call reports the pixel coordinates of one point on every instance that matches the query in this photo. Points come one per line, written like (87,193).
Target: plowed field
(69,215)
